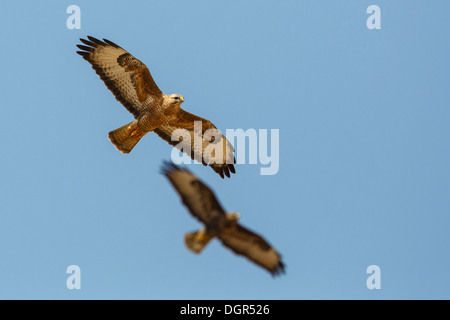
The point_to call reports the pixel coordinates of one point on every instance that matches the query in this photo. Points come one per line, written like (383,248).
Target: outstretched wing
(252,246)
(196,196)
(128,78)
(208,145)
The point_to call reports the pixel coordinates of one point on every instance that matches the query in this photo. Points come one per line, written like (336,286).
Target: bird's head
(176,99)
(233,216)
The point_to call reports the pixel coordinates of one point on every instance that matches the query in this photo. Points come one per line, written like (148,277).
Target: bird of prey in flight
(203,205)
(132,84)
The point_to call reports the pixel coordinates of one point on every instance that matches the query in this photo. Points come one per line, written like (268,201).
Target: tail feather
(126,137)
(196,241)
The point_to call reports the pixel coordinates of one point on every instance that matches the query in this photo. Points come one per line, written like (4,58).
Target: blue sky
(363,117)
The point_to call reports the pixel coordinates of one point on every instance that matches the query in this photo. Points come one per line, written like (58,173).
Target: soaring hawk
(204,206)
(132,84)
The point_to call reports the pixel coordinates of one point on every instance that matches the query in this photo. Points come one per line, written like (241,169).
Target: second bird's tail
(196,241)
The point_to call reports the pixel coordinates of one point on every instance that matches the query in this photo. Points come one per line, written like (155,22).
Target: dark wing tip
(223,170)
(279,269)
(226,171)
(84,54)
(88,43)
(96,41)
(85,48)
(110,43)
(169,167)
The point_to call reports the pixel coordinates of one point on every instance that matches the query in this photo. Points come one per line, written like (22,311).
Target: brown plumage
(132,84)
(204,206)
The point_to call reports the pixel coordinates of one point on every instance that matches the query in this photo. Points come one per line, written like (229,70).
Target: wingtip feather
(169,167)
(226,171)
(110,43)
(279,270)
(96,41)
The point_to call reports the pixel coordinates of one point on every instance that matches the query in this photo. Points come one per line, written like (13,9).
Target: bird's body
(126,137)
(204,206)
(132,84)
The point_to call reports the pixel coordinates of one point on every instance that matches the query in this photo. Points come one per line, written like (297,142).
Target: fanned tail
(126,137)
(196,241)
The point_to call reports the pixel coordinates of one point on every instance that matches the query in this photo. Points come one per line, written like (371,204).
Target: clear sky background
(364,149)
